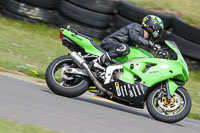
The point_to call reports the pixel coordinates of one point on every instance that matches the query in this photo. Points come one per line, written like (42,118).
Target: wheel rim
(63,79)
(174,107)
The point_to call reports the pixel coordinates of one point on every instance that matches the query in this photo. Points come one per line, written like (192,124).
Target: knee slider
(123,49)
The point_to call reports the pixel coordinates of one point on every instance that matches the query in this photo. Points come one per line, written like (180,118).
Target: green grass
(193,86)
(188,10)
(13,127)
(26,47)
(29,47)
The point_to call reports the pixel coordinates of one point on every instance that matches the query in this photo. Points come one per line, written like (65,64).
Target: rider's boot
(101,62)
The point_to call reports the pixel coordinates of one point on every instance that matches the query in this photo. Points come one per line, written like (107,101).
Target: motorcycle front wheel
(169,111)
(65,84)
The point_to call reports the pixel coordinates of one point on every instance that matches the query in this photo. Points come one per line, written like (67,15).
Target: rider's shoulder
(134,26)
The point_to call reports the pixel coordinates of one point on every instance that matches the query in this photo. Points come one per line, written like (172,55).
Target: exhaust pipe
(82,63)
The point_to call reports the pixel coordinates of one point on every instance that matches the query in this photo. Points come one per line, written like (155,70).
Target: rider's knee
(123,49)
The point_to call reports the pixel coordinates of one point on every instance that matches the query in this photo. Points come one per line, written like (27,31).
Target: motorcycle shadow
(112,105)
(120,107)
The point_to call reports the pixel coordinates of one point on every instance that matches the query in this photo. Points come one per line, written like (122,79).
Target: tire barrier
(29,11)
(186,47)
(186,31)
(136,14)
(101,6)
(7,13)
(63,21)
(120,22)
(1,3)
(84,15)
(51,4)
(96,18)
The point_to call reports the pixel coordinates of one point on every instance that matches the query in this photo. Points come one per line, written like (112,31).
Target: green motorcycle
(136,80)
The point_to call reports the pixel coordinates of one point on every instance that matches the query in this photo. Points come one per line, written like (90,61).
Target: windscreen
(178,52)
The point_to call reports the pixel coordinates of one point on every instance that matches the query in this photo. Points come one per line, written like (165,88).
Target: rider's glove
(157,48)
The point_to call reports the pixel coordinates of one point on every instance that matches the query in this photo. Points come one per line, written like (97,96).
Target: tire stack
(186,37)
(1,3)
(128,13)
(91,17)
(31,10)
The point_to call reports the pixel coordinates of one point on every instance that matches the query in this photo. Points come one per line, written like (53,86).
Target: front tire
(71,86)
(175,110)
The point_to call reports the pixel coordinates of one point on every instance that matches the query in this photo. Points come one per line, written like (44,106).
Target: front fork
(167,91)
(170,87)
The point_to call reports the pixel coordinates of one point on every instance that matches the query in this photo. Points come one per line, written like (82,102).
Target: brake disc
(172,105)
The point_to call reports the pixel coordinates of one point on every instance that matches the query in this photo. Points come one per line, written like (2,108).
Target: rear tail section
(79,42)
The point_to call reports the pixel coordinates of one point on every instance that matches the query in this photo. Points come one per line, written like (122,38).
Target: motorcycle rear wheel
(70,86)
(175,110)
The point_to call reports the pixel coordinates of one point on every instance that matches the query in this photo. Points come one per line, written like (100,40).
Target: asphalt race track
(31,103)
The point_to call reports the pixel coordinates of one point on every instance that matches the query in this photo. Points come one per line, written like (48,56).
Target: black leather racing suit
(117,43)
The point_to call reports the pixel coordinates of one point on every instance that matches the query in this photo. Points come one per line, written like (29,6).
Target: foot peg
(96,66)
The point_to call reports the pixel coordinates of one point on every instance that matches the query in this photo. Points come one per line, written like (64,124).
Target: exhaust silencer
(77,59)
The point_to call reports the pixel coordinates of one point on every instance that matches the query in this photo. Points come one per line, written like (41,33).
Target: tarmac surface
(31,102)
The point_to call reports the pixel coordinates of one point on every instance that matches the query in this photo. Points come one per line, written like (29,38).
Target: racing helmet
(153,25)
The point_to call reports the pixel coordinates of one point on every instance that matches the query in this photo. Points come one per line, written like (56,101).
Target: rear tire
(75,89)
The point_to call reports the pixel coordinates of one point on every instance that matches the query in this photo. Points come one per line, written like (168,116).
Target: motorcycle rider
(117,44)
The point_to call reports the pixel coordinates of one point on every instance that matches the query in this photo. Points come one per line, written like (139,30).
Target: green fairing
(155,74)
(161,70)
(180,61)
(173,86)
(82,41)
